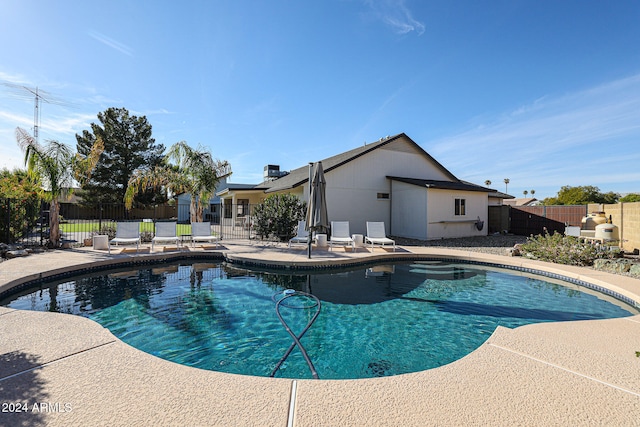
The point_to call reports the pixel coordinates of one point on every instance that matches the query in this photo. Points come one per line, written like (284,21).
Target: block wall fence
(627,217)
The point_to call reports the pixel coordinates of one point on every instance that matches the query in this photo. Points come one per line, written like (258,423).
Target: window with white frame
(460,207)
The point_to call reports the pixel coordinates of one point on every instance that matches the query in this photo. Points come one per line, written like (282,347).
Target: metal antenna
(26,92)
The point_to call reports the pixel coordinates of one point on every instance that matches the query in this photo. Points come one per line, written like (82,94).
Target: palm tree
(487,183)
(533,192)
(56,167)
(506,185)
(525,192)
(185,171)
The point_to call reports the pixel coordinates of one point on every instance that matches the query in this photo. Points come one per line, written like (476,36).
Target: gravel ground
(494,244)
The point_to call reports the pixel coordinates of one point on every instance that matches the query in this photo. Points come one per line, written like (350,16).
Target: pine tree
(128,145)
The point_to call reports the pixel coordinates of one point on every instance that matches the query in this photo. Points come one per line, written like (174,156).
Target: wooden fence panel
(528,220)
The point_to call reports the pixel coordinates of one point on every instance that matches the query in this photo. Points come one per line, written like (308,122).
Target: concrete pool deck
(69,370)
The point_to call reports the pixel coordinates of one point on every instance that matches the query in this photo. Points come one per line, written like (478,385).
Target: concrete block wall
(627,217)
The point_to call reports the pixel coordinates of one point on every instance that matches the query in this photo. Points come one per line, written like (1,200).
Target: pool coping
(511,356)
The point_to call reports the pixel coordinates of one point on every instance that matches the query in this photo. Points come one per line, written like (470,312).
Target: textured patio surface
(69,370)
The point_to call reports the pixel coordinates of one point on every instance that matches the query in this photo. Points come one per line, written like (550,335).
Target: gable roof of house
(443,185)
(300,175)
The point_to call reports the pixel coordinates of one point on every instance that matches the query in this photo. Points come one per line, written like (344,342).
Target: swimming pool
(377,320)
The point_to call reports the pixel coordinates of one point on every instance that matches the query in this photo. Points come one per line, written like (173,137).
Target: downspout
(309,236)
(426,214)
(391,208)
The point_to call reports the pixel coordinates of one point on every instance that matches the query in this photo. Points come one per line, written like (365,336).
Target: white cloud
(67,124)
(13,79)
(395,14)
(16,119)
(582,138)
(114,44)
(159,111)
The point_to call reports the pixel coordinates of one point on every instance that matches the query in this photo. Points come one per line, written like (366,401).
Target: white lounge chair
(165,232)
(377,236)
(201,232)
(302,235)
(126,232)
(340,234)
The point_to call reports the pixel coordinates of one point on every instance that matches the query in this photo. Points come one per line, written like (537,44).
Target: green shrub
(22,215)
(109,230)
(20,200)
(562,249)
(277,216)
(146,236)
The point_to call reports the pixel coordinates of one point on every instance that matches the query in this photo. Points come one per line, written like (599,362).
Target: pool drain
(311,302)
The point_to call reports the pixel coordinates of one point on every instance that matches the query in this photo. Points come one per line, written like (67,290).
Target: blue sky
(545,93)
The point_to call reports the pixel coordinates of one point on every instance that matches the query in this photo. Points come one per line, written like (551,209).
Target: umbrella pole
(309,204)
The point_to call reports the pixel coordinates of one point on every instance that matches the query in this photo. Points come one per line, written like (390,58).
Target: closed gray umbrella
(317,218)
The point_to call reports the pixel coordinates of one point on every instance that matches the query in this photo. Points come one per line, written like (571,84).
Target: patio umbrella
(317,218)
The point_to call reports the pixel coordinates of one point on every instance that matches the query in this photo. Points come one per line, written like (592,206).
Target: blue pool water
(374,321)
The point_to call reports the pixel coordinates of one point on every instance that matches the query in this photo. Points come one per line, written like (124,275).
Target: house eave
(441,185)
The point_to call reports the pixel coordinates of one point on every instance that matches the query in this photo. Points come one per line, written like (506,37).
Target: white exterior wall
(408,208)
(442,221)
(495,201)
(352,189)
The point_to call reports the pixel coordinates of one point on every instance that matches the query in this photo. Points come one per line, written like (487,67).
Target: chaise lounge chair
(340,234)
(376,235)
(302,235)
(165,232)
(201,232)
(126,232)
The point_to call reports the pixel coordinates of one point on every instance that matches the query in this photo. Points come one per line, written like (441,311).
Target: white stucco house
(391,180)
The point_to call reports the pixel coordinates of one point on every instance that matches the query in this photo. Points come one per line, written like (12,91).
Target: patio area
(61,370)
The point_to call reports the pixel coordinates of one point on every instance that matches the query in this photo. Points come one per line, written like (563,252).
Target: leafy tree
(23,210)
(184,170)
(610,198)
(581,195)
(278,215)
(56,166)
(128,146)
(17,185)
(632,197)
